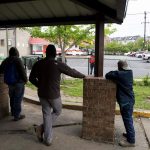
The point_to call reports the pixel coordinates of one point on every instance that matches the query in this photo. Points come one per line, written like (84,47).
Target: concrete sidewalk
(75,103)
(67,132)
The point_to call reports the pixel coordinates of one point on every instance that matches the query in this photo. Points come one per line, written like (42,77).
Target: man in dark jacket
(125,98)
(45,75)
(17,79)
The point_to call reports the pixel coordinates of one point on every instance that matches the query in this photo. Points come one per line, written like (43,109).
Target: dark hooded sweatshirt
(46,75)
(19,66)
(124,81)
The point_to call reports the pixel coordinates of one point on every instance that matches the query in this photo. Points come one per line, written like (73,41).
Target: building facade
(14,37)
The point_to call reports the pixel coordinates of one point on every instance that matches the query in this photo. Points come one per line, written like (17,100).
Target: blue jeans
(16,93)
(92,67)
(126,113)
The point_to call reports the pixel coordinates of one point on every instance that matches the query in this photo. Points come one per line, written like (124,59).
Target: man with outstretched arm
(46,76)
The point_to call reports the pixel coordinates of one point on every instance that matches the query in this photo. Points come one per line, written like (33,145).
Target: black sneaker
(124,135)
(19,118)
(39,132)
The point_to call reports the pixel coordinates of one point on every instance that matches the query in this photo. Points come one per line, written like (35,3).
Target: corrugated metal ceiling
(29,12)
(41,9)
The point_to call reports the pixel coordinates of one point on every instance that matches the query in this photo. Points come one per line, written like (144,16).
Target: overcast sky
(133,23)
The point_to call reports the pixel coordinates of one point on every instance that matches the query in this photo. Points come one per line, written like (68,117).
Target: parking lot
(140,67)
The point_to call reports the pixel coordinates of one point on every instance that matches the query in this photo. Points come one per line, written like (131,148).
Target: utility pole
(7,41)
(144,30)
(145,17)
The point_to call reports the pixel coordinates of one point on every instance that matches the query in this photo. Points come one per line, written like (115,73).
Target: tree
(116,47)
(109,29)
(65,36)
(139,44)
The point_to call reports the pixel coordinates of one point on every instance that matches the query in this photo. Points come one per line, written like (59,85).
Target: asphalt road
(140,67)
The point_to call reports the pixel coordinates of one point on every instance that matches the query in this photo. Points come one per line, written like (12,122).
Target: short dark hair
(122,64)
(13,52)
(51,51)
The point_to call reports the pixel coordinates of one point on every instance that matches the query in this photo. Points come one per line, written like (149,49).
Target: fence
(140,67)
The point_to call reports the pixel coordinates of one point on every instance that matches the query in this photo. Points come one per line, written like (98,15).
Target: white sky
(132,24)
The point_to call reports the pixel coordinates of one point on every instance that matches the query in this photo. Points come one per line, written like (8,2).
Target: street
(140,67)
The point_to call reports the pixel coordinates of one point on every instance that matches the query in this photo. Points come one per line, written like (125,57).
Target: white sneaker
(47,143)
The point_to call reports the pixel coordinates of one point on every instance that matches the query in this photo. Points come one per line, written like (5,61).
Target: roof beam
(96,5)
(48,21)
(13,1)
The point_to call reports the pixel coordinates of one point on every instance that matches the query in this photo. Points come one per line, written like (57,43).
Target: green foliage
(65,36)
(141,97)
(73,87)
(142,82)
(109,29)
(138,83)
(115,47)
(30,85)
(138,44)
(146,80)
(130,46)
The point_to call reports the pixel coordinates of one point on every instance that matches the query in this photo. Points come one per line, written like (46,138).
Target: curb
(67,106)
(33,100)
(136,113)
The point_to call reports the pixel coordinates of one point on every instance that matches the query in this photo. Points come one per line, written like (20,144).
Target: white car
(139,55)
(74,52)
(146,56)
(127,54)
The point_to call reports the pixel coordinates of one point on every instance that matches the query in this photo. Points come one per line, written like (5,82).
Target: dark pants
(92,67)
(16,93)
(126,113)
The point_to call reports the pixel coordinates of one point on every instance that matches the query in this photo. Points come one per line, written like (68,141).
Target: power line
(139,13)
(136,14)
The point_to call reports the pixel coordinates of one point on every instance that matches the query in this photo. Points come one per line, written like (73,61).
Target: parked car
(139,54)
(132,54)
(146,56)
(74,52)
(127,54)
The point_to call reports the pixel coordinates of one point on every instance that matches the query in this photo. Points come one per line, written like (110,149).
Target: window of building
(37,49)
(9,42)
(2,42)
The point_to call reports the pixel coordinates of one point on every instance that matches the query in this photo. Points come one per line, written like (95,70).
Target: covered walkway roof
(60,12)
(23,13)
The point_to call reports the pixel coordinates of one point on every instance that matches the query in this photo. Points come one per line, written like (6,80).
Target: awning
(38,41)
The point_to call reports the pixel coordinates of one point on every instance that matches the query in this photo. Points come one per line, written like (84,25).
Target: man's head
(122,65)
(13,52)
(50,51)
